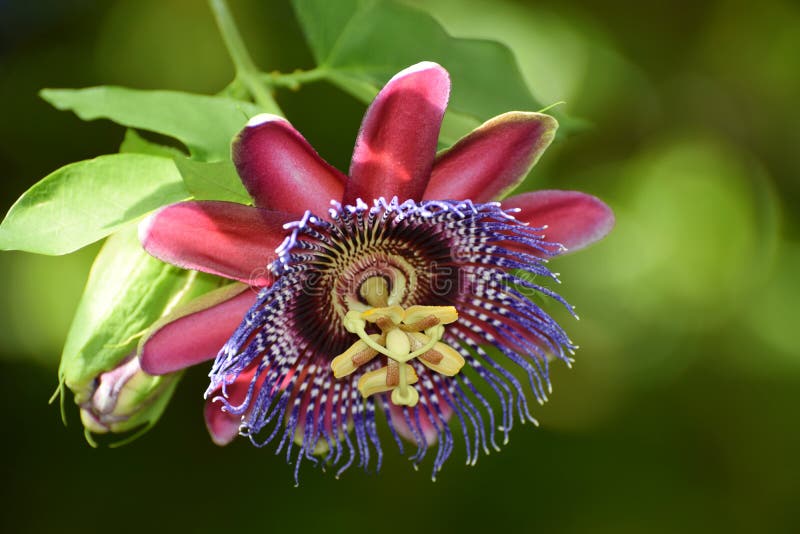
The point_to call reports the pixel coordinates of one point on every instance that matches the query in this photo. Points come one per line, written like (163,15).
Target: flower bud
(125,398)
(127,292)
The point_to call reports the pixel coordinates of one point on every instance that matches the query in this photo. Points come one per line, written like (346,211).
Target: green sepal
(141,409)
(149,416)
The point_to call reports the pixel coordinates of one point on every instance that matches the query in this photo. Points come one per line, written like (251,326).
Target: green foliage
(126,292)
(215,180)
(360,44)
(133,143)
(212,181)
(205,124)
(345,38)
(88,200)
(684,393)
(83,202)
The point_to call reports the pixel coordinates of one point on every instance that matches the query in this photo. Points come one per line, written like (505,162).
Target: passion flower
(379,291)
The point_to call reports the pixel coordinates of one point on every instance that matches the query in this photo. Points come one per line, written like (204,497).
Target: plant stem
(246,70)
(293,80)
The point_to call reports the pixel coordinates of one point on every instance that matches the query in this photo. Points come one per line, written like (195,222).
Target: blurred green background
(680,414)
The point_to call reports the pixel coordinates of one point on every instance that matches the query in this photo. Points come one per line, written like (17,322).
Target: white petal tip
(144,228)
(418,67)
(263,118)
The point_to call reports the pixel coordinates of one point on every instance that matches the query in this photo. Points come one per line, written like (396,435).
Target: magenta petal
(493,159)
(222,238)
(196,332)
(429,430)
(222,426)
(572,218)
(396,146)
(281,171)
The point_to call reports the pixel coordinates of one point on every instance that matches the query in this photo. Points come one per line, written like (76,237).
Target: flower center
(375,290)
(405,334)
(377,286)
(359,259)
(373,274)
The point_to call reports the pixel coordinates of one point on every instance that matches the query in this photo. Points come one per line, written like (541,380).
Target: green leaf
(205,124)
(216,180)
(127,291)
(360,44)
(133,143)
(86,201)
(454,127)
(213,181)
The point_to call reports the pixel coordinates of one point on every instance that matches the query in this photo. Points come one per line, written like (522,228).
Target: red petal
(396,146)
(572,218)
(223,426)
(428,427)
(281,170)
(493,159)
(222,238)
(196,332)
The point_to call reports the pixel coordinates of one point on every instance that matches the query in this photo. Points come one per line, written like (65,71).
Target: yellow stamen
(445,314)
(358,354)
(441,358)
(405,334)
(393,313)
(375,381)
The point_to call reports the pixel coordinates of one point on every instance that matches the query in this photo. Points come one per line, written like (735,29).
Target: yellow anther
(358,354)
(394,313)
(405,334)
(441,358)
(376,381)
(445,314)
